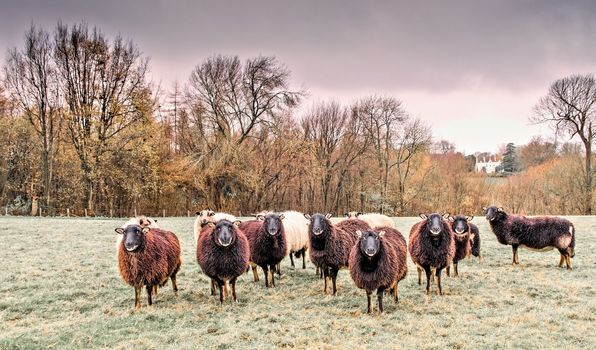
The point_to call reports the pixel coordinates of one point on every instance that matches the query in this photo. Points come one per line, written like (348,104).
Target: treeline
(84,128)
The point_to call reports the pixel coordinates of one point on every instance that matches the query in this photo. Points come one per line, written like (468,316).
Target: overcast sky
(473,70)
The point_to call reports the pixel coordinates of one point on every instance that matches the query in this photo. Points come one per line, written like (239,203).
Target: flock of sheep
(368,244)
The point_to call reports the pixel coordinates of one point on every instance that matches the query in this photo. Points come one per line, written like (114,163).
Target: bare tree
(570,107)
(30,76)
(105,90)
(239,98)
(383,119)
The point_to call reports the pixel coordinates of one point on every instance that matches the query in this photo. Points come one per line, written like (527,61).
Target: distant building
(488,165)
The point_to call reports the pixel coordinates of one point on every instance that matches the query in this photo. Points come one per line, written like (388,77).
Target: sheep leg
(155,292)
(562,259)
(213,285)
(137,297)
(440,290)
(380,292)
(515,260)
(419,275)
(255,273)
(448,266)
(266,272)
(278,268)
(292,260)
(303,259)
(568,261)
(225,289)
(233,287)
(369,300)
(220,286)
(273,275)
(427,270)
(395,295)
(325,274)
(455,270)
(149,293)
(174,285)
(334,271)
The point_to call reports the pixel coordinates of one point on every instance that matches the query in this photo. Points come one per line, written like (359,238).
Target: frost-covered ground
(60,288)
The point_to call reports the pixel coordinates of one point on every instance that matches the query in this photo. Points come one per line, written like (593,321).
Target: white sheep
(296,229)
(205,216)
(372,219)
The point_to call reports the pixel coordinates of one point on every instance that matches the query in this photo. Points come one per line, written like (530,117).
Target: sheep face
(319,223)
(146,222)
(460,224)
(370,244)
(133,237)
(434,223)
(272,223)
(352,214)
(224,232)
(205,216)
(494,213)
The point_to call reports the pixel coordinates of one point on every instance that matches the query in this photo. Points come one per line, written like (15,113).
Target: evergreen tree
(510,162)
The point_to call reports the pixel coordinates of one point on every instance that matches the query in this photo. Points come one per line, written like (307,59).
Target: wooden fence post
(67,212)
(164,213)
(85,212)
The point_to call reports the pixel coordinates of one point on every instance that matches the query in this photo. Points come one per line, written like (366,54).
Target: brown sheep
(148,257)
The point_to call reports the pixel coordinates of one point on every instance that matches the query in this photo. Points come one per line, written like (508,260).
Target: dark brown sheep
(148,257)
(330,246)
(378,261)
(432,246)
(223,255)
(462,229)
(537,233)
(268,245)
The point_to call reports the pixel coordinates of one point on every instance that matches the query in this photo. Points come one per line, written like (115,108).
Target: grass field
(60,288)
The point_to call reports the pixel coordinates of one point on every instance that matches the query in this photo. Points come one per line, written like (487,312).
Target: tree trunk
(588,179)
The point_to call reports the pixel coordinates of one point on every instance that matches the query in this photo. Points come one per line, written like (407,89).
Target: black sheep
(223,254)
(462,230)
(330,245)
(432,245)
(268,245)
(536,233)
(378,261)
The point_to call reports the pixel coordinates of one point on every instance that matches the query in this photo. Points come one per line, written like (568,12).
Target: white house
(488,166)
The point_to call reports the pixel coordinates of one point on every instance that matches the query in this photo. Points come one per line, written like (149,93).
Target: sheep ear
(500,209)
(237,223)
(358,214)
(484,209)
(154,220)
(198,213)
(423,216)
(328,216)
(260,217)
(146,229)
(446,216)
(451,218)
(382,233)
(358,233)
(469,218)
(281,216)
(120,230)
(347,215)
(211,213)
(307,216)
